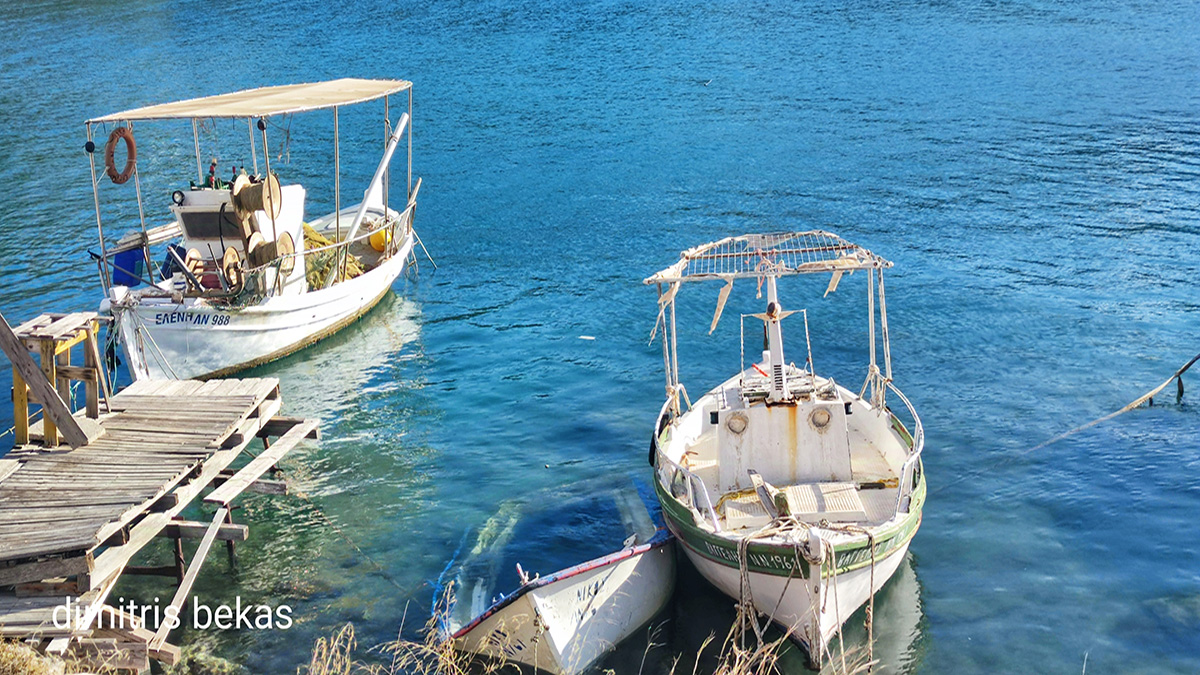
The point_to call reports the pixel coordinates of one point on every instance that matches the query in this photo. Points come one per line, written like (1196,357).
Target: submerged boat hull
(201,340)
(783,583)
(564,622)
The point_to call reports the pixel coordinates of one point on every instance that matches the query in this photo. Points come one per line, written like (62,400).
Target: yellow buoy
(380,239)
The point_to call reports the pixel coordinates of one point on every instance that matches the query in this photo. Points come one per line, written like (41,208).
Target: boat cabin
(259,220)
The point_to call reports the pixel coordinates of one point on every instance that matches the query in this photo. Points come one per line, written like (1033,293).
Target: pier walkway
(71,520)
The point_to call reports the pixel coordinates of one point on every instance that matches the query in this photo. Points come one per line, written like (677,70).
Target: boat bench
(809,502)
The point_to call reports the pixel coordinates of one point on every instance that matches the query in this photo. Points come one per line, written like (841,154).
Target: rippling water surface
(1031,167)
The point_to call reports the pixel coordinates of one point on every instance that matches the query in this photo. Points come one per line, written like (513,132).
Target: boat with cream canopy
(788,491)
(244,279)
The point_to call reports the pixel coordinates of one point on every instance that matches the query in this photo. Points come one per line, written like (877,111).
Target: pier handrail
(918,444)
(692,479)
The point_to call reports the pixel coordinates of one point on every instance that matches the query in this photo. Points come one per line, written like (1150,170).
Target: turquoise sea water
(1031,167)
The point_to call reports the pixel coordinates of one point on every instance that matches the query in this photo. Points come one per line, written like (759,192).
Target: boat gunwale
(662,537)
(303,343)
(674,512)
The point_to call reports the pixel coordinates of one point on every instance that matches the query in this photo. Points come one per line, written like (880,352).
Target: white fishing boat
(244,278)
(564,622)
(789,492)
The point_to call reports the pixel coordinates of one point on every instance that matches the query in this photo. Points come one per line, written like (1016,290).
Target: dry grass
(335,655)
(741,653)
(17,658)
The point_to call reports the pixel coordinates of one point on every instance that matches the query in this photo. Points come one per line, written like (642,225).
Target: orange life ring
(125,134)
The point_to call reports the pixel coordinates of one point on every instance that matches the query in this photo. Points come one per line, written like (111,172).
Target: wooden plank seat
(835,502)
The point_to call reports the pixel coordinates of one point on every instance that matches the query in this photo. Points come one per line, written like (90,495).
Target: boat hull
(564,622)
(199,340)
(784,585)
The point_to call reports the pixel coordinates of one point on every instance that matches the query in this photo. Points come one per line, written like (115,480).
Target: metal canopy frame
(769,256)
(774,254)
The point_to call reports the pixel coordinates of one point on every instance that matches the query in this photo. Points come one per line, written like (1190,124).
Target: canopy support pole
(374,185)
(253,150)
(674,350)
(337,178)
(666,349)
(196,142)
(872,369)
(105,279)
(887,347)
(262,126)
(410,145)
(137,185)
(262,122)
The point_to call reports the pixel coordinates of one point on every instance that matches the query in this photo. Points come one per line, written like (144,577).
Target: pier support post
(180,563)
(230,546)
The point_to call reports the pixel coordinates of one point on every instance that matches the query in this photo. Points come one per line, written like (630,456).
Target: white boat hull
(564,622)
(196,339)
(790,602)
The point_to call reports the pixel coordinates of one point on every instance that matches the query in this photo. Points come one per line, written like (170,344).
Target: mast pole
(775,342)
(105,279)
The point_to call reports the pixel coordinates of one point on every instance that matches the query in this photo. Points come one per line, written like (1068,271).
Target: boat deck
(72,520)
(869,500)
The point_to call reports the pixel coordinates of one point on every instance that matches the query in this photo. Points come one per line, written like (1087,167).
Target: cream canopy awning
(266,101)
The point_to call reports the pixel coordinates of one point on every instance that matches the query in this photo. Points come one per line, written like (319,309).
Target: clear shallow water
(1030,167)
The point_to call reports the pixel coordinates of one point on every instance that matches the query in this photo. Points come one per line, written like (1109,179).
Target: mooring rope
(1148,396)
(837,608)
(747,612)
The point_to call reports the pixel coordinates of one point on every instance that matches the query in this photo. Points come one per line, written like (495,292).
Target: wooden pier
(73,517)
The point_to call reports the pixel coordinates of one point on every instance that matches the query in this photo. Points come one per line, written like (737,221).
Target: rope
(871,608)
(1148,396)
(837,608)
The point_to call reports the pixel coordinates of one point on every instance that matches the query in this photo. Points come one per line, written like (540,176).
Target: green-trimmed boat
(786,489)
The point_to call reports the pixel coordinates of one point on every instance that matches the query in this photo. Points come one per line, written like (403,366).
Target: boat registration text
(193,318)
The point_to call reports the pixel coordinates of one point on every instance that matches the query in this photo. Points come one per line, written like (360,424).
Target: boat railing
(405,217)
(907,484)
(669,471)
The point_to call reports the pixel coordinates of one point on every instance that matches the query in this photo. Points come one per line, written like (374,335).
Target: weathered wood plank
(8,467)
(190,529)
(52,406)
(62,326)
(278,426)
(259,465)
(185,587)
(46,569)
